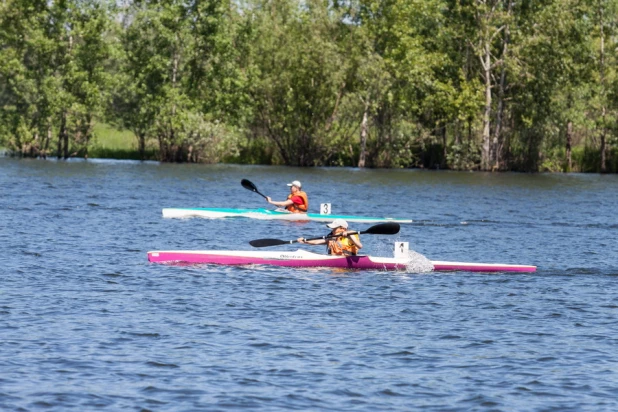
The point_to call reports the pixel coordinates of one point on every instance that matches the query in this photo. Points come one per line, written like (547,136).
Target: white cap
(295,183)
(338,223)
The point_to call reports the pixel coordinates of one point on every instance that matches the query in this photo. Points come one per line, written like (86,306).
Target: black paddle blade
(270,242)
(383,229)
(248,185)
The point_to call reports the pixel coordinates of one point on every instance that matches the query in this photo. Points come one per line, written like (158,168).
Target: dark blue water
(86,323)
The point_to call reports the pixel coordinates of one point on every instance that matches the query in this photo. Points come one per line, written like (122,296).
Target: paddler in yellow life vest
(296,202)
(340,243)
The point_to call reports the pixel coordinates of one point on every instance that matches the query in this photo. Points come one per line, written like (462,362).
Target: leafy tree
(173,84)
(419,99)
(299,78)
(53,71)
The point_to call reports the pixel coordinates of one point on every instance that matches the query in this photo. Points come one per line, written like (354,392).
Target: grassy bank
(111,143)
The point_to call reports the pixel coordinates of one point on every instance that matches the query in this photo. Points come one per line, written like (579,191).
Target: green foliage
(553,161)
(54,58)
(299,80)
(587,160)
(177,79)
(398,83)
(464,156)
(106,136)
(255,151)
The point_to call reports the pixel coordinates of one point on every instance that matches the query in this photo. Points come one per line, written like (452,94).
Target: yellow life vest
(342,246)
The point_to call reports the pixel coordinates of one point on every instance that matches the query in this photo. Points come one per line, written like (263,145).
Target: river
(87,323)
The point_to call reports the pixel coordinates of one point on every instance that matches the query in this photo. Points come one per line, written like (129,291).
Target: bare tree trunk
(363,137)
(603,88)
(497,142)
(569,142)
(141,145)
(36,146)
(61,136)
(457,137)
(162,148)
(172,134)
(59,146)
(603,145)
(65,149)
(65,136)
(486,152)
(64,133)
(48,139)
(88,133)
(470,131)
(444,151)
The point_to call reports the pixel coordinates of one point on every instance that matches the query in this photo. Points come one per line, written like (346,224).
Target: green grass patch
(108,137)
(111,143)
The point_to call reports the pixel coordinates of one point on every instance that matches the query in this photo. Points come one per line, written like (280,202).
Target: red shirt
(297,200)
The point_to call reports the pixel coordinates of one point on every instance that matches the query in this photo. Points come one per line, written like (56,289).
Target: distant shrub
(255,151)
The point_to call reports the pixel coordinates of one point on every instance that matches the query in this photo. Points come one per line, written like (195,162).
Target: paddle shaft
(331,236)
(277,242)
(381,229)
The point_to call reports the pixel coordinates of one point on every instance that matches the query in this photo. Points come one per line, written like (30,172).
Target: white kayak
(266,214)
(302,258)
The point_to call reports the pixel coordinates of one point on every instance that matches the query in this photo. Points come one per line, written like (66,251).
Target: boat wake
(418,263)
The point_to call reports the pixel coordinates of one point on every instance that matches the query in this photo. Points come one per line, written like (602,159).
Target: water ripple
(87,323)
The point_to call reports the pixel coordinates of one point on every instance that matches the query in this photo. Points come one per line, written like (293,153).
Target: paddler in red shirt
(296,202)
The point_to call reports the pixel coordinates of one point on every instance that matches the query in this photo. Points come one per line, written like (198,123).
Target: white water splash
(418,263)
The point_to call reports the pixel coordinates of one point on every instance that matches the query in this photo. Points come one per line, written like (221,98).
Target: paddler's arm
(311,242)
(285,203)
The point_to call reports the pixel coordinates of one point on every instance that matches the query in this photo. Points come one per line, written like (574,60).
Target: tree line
(462,84)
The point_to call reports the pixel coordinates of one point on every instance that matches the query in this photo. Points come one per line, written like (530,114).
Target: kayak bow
(303,258)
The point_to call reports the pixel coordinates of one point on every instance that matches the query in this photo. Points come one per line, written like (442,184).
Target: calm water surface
(86,323)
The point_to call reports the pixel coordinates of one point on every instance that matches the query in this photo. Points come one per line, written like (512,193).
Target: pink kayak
(303,258)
